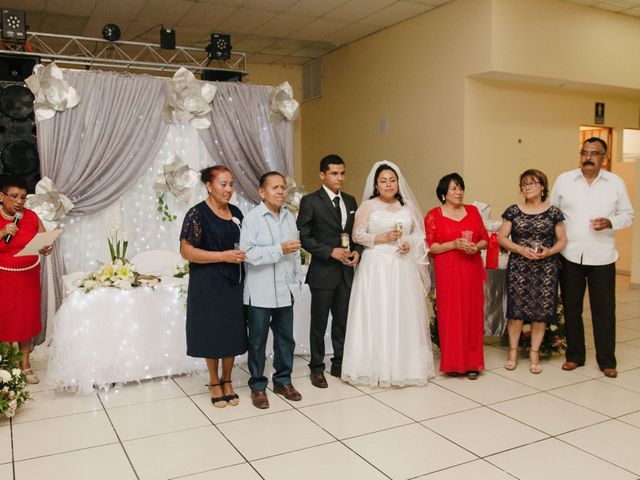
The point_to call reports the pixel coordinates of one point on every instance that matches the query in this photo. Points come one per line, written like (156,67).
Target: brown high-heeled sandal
(511,364)
(535,368)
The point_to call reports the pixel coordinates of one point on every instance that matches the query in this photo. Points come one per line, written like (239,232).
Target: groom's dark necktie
(336,202)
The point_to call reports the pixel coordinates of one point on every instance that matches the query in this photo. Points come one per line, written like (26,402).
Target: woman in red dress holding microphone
(19,276)
(456,234)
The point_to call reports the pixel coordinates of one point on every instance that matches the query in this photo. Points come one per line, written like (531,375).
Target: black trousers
(324,301)
(601,280)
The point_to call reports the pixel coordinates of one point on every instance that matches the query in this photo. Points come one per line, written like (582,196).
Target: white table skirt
(110,335)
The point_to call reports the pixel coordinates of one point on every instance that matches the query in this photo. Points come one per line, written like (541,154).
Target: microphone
(16,219)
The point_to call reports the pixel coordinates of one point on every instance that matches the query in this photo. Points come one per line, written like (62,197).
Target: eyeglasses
(585,153)
(524,186)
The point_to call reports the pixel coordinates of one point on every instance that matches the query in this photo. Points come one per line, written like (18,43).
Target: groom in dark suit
(324,216)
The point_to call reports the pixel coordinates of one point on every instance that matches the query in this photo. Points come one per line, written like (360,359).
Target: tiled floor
(505,425)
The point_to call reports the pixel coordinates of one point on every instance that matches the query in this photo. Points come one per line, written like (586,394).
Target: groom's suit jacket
(320,230)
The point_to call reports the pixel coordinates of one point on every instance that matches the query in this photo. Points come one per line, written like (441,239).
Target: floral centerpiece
(181,270)
(13,384)
(119,274)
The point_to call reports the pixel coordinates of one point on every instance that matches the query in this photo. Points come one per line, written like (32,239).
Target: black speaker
(15,68)
(221,76)
(18,147)
(167,39)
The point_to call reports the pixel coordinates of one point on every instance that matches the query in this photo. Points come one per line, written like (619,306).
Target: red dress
(20,292)
(459,291)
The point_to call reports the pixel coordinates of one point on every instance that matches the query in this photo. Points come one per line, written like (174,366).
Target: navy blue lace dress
(532,285)
(215,320)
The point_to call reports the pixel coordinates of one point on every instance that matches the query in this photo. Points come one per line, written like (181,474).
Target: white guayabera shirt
(580,202)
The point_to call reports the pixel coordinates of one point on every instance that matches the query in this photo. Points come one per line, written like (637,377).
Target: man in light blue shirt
(270,239)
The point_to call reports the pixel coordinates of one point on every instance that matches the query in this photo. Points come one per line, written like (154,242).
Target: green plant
(13,384)
(163,209)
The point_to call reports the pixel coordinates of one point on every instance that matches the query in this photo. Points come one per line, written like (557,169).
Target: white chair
(157,262)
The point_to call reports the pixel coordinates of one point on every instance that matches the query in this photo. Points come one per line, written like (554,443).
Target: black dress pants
(601,280)
(324,301)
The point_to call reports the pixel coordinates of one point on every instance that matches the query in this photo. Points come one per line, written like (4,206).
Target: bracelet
(23,269)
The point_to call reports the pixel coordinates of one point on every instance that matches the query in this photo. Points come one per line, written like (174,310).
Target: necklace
(8,217)
(23,269)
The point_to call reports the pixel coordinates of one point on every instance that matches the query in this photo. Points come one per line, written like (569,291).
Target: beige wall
(436,79)
(513,127)
(412,74)
(260,74)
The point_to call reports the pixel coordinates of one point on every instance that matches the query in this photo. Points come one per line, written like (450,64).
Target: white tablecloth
(110,335)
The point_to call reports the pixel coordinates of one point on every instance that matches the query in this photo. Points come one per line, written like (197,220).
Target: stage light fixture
(14,26)
(220,47)
(111,32)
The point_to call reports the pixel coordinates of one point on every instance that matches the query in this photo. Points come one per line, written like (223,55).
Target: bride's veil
(417,237)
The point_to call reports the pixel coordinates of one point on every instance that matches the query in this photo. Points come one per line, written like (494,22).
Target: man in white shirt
(595,203)
(269,238)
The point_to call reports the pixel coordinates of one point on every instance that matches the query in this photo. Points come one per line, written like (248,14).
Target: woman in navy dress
(215,320)
(534,233)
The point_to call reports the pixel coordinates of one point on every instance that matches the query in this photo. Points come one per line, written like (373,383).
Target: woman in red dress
(456,234)
(19,276)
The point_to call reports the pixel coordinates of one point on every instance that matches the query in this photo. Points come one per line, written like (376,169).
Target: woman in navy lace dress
(537,234)
(215,321)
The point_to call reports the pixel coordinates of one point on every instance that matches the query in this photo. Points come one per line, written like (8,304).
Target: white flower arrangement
(118,274)
(13,384)
(181,270)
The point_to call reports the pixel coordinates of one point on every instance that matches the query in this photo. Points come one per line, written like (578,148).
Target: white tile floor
(505,425)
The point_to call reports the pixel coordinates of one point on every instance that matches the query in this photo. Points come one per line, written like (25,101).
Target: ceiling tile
(204,15)
(163,11)
(27,5)
(434,3)
(283,24)
(283,47)
(245,20)
(319,29)
(611,6)
(293,60)
(262,58)
(34,21)
(633,11)
(118,9)
(353,32)
(193,36)
(396,13)
(65,7)
(63,24)
(354,10)
(311,52)
(253,44)
(137,32)
(227,3)
(270,5)
(315,8)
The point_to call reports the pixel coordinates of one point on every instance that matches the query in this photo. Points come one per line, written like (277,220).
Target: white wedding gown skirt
(387,341)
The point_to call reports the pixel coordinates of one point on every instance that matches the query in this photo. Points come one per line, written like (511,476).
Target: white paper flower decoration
(177,178)
(188,100)
(282,102)
(48,203)
(52,92)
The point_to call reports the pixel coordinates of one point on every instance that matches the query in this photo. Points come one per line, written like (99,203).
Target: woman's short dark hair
(537,176)
(8,181)
(379,170)
(209,174)
(443,185)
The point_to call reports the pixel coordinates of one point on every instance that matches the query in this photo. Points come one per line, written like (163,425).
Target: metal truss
(69,50)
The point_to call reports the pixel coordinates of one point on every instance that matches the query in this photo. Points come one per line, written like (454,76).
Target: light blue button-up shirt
(271,275)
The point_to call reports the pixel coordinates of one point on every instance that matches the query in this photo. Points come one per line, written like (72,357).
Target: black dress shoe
(288,391)
(318,380)
(259,399)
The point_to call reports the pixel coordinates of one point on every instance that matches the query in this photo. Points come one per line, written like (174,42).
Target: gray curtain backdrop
(97,150)
(241,132)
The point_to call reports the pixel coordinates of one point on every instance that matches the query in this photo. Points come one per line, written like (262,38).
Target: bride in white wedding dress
(387,342)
